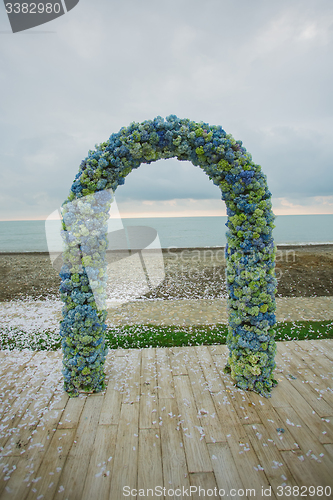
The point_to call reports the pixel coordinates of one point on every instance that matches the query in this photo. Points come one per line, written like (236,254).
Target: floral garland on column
(250,249)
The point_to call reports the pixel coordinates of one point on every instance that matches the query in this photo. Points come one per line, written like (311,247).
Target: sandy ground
(189,274)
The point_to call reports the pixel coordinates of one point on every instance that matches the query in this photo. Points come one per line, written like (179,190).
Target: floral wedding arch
(250,250)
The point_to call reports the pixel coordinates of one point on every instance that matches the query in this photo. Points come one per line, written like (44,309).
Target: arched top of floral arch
(250,250)
(222,158)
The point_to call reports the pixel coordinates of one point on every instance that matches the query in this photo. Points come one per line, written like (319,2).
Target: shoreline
(284,246)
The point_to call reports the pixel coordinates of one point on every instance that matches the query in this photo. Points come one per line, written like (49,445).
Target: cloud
(261,70)
(167,180)
(303,206)
(297,160)
(172,208)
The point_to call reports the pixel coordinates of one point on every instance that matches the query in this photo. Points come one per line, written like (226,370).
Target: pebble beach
(302,271)
(193,290)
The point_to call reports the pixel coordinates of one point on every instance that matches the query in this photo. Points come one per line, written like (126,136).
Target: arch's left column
(83,291)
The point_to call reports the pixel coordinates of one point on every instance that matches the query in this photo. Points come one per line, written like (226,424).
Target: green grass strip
(141,336)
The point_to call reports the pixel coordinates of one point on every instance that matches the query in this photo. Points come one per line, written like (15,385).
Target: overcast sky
(261,69)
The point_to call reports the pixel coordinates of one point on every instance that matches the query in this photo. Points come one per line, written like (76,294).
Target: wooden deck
(169,418)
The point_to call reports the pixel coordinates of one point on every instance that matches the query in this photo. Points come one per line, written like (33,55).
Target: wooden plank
(306,439)
(8,467)
(47,475)
(148,377)
(73,476)
(329,449)
(227,385)
(113,397)
(201,482)
(260,401)
(284,394)
(26,474)
(14,360)
(226,412)
(282,360)
(322,367)
(288,362)
(206,412)
(109,360)
(120,352)
(148,371)
(31,425)
(18,414)
(195,447)
(306,346)
(149,418)
(148,399)
(211,374)
(320,350)
(321,389)
(178,359)
(28,464)
(132,377)
(325,345)
(117,373)
(302,407)
(328,428)
(72,412)
(306,473)
(298,393)
(18,384)
(98,480)
(272,421)
(164,374)
(242,403)
(11,367)
(125,466)
(270,457)
(189,352)
(20,479)
(290,346)
(59,401)
(289,352)
(219,350)
(303,371)
(225,469)
(317,362)
(39,439)
(239,444)
(245,409)
(150,472)
(175,473)
(282,364)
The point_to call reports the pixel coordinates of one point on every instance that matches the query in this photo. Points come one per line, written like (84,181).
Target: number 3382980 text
(33,8)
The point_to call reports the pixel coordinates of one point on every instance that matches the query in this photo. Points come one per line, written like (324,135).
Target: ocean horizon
(177,232)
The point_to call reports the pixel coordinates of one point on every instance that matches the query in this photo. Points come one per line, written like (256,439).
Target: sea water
(179,232)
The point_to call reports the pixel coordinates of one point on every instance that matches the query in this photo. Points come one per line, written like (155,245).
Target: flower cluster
(250,251)
(83,291)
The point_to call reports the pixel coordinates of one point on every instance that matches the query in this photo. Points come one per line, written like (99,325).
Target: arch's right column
(250,273)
